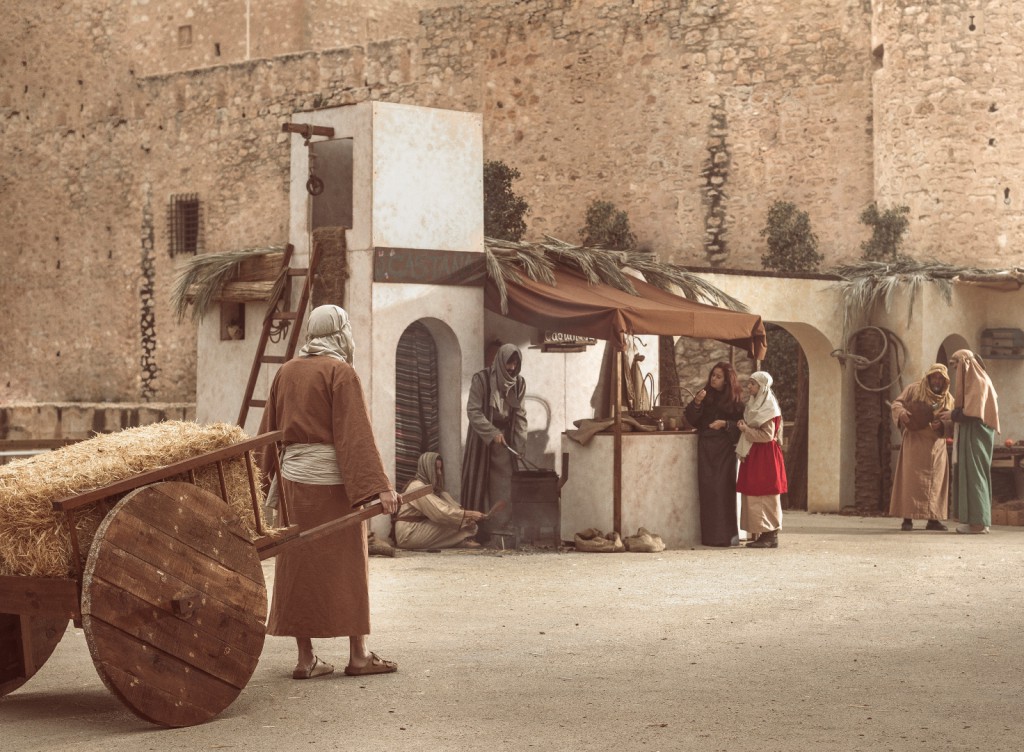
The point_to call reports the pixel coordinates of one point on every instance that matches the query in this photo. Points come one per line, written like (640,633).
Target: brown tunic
(921,481)
(320,587)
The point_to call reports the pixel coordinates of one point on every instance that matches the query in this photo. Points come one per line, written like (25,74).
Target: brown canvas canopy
(575,306)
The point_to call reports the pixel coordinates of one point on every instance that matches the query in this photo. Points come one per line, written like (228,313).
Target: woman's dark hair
(732,392)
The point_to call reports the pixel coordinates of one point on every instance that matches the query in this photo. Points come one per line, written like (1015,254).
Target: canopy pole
(617,447)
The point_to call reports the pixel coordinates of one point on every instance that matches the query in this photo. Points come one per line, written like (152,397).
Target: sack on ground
(594,541)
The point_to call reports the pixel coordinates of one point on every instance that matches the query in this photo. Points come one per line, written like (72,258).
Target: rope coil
(862,362)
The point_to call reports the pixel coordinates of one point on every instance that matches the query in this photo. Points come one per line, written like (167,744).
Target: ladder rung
(274,359)
(284,316)
(257,403)
(297,271)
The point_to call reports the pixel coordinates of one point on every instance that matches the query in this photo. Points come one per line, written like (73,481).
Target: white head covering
(761,408)
(329,332)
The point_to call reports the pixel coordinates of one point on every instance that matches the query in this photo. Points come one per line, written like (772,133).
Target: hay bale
(34,539)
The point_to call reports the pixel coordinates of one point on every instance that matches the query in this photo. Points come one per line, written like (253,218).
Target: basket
(664,412)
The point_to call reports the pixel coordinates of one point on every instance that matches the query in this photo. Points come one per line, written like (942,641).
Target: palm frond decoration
(869,284)
(202,277)
(597,265)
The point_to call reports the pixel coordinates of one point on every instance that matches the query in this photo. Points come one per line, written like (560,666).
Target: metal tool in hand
(521,458)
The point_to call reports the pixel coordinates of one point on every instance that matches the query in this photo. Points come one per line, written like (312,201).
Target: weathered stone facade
(693,115)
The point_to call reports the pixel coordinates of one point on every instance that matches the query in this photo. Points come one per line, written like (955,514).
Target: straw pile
(34,540)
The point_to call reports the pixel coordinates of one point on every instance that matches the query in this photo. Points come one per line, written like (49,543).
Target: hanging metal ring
(314,186)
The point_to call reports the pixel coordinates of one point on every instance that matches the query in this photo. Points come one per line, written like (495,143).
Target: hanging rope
(861,362)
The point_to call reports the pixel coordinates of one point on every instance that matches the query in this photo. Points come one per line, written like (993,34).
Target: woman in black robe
(714,412)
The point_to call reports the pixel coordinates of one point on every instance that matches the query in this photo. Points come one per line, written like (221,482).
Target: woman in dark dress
(714,412)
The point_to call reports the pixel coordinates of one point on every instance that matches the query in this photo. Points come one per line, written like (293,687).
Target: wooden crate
(1002,342)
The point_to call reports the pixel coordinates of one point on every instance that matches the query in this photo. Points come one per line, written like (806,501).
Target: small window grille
(185,224)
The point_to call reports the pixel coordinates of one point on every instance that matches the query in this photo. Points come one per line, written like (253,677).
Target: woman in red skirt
(762,476)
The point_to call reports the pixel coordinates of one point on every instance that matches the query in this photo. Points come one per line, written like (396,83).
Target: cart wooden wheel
(26,642)
(174,604)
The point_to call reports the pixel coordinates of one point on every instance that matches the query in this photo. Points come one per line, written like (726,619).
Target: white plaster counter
(659,486)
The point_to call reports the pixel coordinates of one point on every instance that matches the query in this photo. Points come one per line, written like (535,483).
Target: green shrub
(792,245)
(887,230)
(607,227)
(504,210)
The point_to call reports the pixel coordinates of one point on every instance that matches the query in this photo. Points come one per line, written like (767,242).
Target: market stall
(658,468)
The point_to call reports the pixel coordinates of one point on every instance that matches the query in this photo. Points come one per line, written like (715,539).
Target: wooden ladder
(275,317)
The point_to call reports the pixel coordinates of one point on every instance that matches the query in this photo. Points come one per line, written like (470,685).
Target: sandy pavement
(851,636)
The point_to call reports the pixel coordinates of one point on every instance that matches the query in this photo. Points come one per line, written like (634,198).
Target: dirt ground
(851,636)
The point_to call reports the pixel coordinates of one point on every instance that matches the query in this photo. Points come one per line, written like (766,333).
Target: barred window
(185,224)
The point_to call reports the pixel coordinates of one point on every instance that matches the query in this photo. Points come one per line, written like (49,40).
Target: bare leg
(362,662)
(358,653)
(305,645)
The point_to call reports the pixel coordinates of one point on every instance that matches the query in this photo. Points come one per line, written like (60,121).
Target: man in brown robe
(329,463)
(920,488)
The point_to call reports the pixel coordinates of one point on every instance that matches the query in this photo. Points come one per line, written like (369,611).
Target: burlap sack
(594,541)
(644,542)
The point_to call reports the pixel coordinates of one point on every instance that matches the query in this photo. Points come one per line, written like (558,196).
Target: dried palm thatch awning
(868,284)
(585,291)
(249,275)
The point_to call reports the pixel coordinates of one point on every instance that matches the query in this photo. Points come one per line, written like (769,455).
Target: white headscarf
(329,332)
(761,408)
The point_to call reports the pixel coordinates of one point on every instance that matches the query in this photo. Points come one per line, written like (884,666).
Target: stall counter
(659,486)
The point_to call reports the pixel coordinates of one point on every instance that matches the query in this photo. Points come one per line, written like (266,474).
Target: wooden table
(1016,455)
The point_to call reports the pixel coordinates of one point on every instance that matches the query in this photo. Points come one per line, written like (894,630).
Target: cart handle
(339,523)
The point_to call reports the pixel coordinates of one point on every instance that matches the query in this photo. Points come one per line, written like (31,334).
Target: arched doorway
(417,424)
(950,345)
(787,364)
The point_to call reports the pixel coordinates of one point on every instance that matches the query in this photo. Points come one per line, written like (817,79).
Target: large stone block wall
(175,35)
(691,115)
(949,107)
(82,420)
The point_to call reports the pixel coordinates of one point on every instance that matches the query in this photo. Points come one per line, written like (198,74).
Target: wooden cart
(171,596)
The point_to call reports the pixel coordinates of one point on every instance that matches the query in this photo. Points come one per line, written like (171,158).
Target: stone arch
(948,346)
(449,394)
(824,417)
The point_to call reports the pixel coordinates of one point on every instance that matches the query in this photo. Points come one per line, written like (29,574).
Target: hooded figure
(497,423)
(762,476)
(435,520)
(920,484)
(329,463)
(976,415)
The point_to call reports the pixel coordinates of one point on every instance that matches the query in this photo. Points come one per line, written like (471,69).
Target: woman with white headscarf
(762,475)
(330,462)
(497,422)
(976,422)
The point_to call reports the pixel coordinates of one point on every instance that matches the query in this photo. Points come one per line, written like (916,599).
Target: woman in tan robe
(330,462)
(920,485)
(435,520)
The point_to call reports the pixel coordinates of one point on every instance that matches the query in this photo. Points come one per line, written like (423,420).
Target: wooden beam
(426,266)
(307,131)
(39,596)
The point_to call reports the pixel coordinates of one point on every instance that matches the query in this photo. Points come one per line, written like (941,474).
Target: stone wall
(948,109)
(692,115)
(80,420)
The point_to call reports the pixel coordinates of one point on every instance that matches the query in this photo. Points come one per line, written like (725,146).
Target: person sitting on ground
(435,520)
